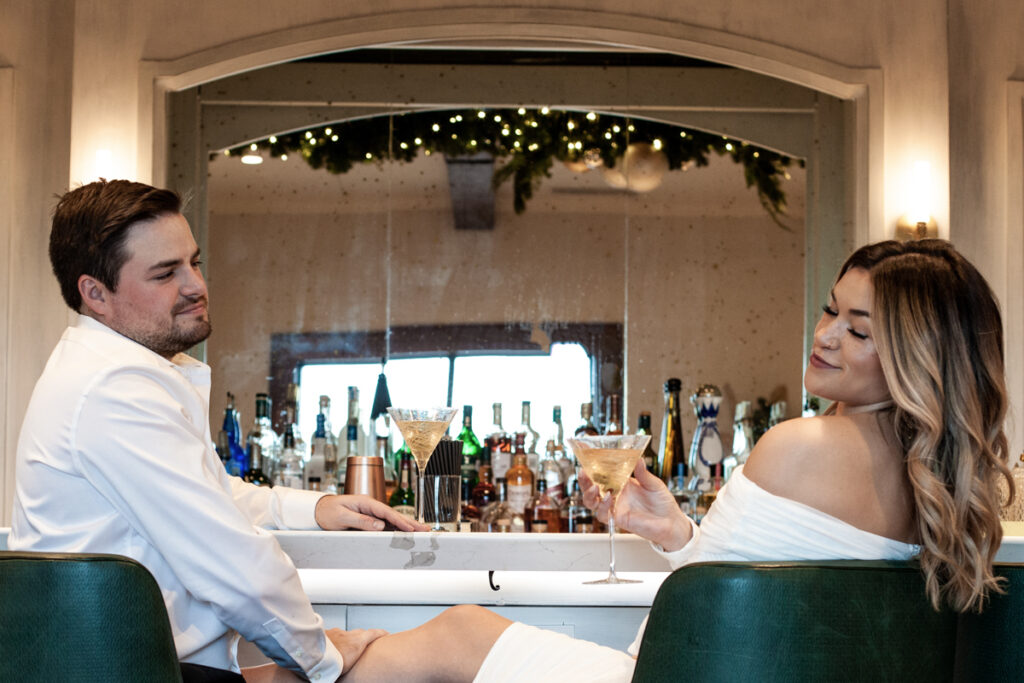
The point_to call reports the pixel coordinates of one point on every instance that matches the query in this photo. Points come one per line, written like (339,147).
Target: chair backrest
(73,617)
(990,645)
(796,621)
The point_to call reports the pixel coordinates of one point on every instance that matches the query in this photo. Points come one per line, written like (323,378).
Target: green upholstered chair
(74,617)
(796,621)
(990,645)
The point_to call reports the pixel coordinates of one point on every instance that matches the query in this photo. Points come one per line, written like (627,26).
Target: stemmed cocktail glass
(422,429)
(608,461)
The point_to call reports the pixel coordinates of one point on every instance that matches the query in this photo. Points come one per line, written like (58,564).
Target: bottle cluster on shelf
(511,480)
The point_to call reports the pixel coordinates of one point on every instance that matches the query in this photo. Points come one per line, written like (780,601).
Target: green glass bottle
(471,451)
(403,498)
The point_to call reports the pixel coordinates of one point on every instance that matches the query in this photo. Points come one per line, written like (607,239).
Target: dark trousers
(197,673)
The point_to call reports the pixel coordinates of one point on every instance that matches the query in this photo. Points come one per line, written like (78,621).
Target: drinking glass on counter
(422,429)
(608,461)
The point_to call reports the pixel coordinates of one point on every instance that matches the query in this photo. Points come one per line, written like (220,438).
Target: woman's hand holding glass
(645,507)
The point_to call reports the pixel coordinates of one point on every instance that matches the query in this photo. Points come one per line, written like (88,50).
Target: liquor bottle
(776,414)
(543,513)
(671,443)
(318,464)
(498,517)
(500,445)
(231,452)
(681,491)
(291,420)
(578,517)
(471,450)
(643,426)
(290,470)
(706,447)
(587,427)
(258,441)
(329,447)
(484,493)
(550,472)
(403,498)
(564,459)
(532,438)
(742,439)
(519,478)
(613,418)
(351,434)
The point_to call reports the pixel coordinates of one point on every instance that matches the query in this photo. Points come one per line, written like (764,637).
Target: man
(115,453)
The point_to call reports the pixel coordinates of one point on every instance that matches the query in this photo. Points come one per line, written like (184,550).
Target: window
(554,364)
(561,377)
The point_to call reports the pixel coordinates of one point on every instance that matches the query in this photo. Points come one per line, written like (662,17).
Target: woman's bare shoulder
(790,454)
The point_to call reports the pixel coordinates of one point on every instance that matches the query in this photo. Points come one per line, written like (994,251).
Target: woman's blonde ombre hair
(939,336)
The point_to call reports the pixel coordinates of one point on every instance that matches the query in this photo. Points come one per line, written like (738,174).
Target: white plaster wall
(83,71)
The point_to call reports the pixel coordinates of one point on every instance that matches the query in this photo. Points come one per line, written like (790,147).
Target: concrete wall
(938,81)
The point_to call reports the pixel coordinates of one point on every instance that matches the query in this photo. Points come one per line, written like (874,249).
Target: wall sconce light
(917,223)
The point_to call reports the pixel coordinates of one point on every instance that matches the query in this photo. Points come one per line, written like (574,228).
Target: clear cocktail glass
(608,461)
(422,428)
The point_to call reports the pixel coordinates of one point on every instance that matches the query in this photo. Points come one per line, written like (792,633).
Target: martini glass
(608,461)
(422,429)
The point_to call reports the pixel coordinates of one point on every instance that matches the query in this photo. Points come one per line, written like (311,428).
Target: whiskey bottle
(587,427)
(542,513)
(550,472)
(519,478)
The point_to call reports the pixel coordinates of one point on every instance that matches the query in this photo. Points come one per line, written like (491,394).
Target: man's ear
(95,295)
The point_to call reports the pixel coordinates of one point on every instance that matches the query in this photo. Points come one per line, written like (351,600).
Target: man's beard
(177,340)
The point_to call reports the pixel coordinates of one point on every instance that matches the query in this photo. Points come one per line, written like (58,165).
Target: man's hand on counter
(336,513)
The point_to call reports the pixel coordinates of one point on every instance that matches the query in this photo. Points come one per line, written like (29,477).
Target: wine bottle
(643,426)
(403,498)
(258,441)
(470,453)
(671,442)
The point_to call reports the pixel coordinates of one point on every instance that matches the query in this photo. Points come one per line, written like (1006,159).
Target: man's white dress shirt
(115,456)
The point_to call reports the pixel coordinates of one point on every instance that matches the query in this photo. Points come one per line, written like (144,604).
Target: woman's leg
(449,647)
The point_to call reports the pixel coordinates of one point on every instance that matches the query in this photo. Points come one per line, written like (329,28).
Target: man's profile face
(161,298)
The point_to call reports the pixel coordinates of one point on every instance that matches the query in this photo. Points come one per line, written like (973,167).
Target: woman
(905,463)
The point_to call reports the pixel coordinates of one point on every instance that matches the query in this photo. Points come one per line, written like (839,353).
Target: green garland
(526,142)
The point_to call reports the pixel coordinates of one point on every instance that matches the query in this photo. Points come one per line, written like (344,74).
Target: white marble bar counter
(467,551)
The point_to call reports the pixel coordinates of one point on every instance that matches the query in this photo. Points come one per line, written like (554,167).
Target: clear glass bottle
(329,446)
(586,427)
(550,472)
(291,470)
(742,439)
(351,435)
(519,478)
(319,467)
(403,498)
(543,512)
(259,441)
(532,438)
(499,516)
(613,417)
(500,445)
(579,519)
(566,461)
(681,491)
(671,442)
